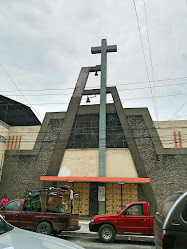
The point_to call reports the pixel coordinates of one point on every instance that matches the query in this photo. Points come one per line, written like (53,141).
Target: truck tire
(107,233)
(44,227)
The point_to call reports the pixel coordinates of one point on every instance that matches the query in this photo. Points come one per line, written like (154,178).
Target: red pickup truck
(42,222)
(133,219)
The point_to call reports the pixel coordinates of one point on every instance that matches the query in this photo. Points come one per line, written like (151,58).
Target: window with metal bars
(85,132)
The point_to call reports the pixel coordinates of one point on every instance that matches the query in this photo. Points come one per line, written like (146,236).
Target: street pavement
(90,240)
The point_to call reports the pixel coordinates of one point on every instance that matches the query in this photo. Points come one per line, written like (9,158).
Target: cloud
(44,44)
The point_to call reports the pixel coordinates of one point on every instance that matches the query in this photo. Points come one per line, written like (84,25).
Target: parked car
(135,218)
(170,226)
(13,237)
(15,213)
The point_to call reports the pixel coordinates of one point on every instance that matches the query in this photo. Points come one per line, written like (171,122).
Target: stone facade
(166,168)
(22,170)
(167,172)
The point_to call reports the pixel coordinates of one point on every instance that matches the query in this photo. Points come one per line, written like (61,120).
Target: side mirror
(125,213)
(159,214)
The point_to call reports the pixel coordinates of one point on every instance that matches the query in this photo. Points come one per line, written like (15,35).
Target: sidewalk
(84,232)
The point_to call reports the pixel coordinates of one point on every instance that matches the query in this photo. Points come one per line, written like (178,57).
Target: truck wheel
(107,233)
(44,227)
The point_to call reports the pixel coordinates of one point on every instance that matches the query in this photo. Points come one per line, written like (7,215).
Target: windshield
(4,226)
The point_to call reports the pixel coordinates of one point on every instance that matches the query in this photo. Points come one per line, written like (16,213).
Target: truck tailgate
(74,222)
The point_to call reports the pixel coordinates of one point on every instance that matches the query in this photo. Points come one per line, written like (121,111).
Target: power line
(128,83)
(78,157)
(118,140)
(110,132)
(163,138)
(18,88)
(95,102)
(44,89)
(159,96)
(180,117)
(143,82)
(154,104)
(163,142)
(119,90)
(178,110)
(73,130)
(150,54)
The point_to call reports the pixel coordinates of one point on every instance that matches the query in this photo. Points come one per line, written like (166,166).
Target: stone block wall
(167,172)
(21,172)
(166,168)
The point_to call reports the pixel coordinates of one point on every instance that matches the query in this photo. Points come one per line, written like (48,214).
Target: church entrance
(93,206)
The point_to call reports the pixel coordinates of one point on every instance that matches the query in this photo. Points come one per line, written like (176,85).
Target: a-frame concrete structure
(165,167)
(68,121)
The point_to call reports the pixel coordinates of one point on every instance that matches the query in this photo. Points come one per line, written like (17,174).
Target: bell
(96,73)
(88,100)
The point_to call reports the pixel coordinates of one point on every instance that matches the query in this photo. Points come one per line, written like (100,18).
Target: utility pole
(103,49)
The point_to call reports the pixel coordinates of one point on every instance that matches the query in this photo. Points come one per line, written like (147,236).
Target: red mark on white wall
(14,144)
(177,140)
(19,142)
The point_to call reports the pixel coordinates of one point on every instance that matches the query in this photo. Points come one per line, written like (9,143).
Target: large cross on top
(110,48)
(103,49)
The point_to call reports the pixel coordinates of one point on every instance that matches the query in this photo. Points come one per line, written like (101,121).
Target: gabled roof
(16,114)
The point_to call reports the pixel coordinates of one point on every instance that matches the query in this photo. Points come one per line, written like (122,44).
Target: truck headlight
(92,220)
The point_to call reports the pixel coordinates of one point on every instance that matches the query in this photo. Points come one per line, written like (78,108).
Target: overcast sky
(44,44)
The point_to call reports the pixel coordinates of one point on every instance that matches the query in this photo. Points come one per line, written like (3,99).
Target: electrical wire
(167,142)
(164,140)
(180,117)
(178,110)
(66,103)
(119,90)
(150,54)
(95,134)
(128,83)
(80,130)
(154,104)
(18,89)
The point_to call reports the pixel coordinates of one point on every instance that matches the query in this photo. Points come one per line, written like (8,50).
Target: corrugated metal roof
(16,114)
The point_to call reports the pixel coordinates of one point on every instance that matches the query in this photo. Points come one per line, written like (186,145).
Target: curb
(148,239)
(80,234)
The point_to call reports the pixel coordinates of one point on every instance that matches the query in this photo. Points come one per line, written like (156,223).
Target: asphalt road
(94,243)
(90,240)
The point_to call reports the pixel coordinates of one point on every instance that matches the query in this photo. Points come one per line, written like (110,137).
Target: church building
(109,162)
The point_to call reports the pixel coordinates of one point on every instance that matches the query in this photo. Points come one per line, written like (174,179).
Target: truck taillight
(168,241)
